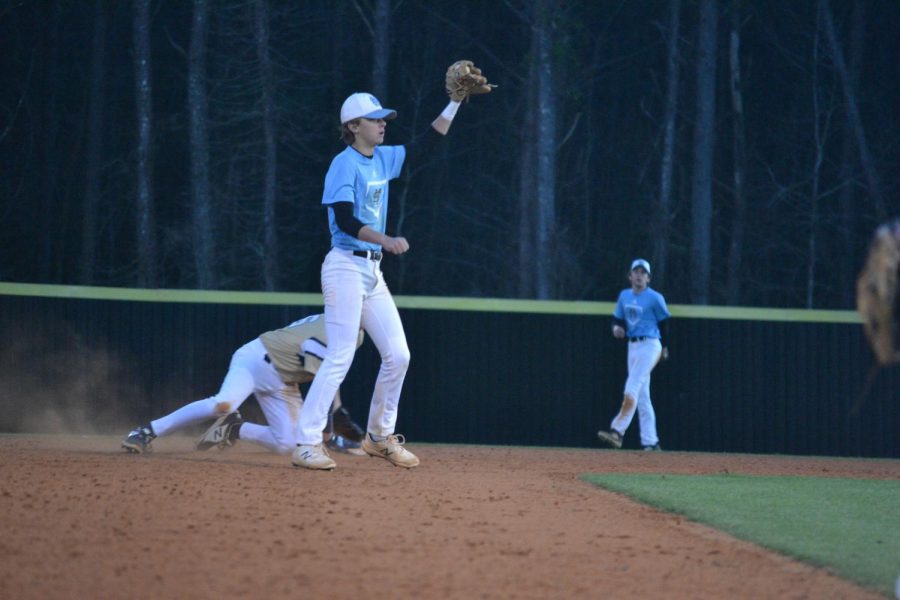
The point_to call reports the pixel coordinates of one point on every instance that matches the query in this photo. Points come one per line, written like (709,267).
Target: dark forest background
(747,149)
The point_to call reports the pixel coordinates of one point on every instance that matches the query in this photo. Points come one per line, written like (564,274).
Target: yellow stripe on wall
(158,295)
(563,307)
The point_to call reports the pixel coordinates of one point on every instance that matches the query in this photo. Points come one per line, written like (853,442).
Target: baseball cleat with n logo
(223,433)
(391,449)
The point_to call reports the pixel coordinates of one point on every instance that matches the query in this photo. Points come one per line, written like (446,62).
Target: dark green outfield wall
(527,375)
(729,386)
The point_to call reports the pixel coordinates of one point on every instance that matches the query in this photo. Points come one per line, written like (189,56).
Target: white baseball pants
(642,357)
(248,373)
(356,296)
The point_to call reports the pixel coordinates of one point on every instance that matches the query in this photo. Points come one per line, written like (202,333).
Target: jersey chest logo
(633,313)
(375,192)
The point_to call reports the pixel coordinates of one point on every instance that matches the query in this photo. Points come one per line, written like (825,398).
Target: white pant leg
(642,357)
(281,407)
(346,280)
(622,420)
(381,320)
(280,402)
(647,417)
(238,384)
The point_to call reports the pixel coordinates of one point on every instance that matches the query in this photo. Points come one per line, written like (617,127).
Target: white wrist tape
(450,111)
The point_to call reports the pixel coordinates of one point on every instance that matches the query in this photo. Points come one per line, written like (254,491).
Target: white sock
(189,414)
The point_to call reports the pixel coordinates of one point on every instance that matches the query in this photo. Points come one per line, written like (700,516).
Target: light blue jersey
(363,181)
(641,312)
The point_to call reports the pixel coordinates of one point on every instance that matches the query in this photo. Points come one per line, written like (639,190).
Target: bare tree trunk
(270,245)
(93,156)
(400,203)
(337,51)
(527,197)
(381,46)
(198,105)
(736,245)
(545,248)
(704,146)
(853,116)
(663,217)
(527,174)
(52,238)
(146,239)
(815,176)
(847,196)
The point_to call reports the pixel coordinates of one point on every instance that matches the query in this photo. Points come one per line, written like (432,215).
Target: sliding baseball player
(271,367)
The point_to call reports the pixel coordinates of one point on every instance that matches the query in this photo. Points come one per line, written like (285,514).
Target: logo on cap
(640,262)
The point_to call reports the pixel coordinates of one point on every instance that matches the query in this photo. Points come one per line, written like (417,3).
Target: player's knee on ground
(282,441)
(284,446)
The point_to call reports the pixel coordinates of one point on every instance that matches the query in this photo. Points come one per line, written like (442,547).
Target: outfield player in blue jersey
(641,315)
(355,293)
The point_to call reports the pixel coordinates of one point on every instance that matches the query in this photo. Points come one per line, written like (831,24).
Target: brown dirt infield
(82,519)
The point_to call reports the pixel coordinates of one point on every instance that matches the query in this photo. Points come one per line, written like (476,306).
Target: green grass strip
(851,526)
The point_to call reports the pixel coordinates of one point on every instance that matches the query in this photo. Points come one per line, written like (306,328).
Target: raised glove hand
(464,79)
(876,294)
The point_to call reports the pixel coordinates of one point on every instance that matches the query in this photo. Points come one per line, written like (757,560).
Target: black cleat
(346,427)
(339,443)
(611,438)
(139,440)
(223,433)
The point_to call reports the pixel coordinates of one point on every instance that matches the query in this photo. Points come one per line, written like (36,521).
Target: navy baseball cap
(363,105)
(640,262)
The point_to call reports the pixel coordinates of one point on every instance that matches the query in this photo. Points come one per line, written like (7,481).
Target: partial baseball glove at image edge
(464,79)
(876,294)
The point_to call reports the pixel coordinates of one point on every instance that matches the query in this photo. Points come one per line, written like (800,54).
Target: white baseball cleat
(312,457)
(392,450)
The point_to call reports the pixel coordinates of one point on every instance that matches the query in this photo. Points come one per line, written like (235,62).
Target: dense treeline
(748,149)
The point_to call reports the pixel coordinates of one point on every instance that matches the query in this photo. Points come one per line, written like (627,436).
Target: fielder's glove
(876,294)
(346,427)
(464,79)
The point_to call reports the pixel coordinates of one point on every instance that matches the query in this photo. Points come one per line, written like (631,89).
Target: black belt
(639,339)
(370,254)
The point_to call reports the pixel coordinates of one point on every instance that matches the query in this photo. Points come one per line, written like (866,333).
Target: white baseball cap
(365,105)
(640,262)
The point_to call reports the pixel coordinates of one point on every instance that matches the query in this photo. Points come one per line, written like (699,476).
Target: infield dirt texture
(82,519)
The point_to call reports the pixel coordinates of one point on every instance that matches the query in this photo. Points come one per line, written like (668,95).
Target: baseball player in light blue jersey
(641,315)
(355,293)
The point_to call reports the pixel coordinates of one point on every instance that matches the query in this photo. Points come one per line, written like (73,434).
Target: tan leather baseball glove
(464,79)
(876,294)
